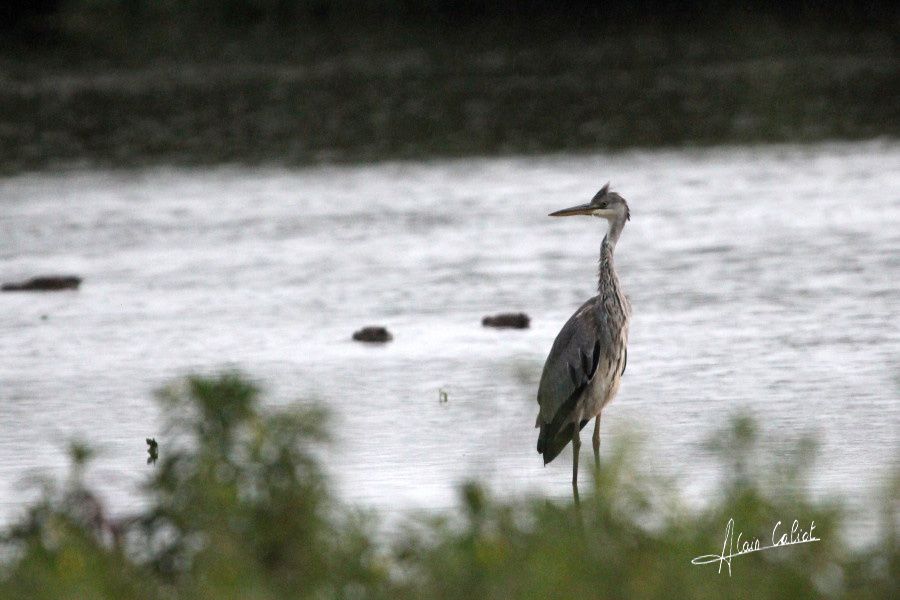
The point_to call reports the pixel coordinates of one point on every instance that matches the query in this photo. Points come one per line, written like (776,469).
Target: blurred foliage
(239,507)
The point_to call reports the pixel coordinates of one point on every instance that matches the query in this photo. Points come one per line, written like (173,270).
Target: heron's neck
(613,233)
(608,281)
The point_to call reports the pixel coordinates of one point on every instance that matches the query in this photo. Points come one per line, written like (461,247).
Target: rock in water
(373,334)
(507,321)
(48,283)
(152,451)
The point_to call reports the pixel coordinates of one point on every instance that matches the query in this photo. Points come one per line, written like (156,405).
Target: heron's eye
(603,204)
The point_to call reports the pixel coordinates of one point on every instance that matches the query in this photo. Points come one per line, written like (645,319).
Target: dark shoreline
(400,94)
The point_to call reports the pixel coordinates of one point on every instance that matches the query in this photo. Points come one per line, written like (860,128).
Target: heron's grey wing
(569,368)
(572,361)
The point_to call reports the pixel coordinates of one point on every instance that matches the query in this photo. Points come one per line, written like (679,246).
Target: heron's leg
(596,441)
(576,446)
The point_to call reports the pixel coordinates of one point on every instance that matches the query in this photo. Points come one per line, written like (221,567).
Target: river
(762,280)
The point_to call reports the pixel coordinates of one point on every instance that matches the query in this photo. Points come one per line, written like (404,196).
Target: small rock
(49,283)
(152,450)
(372,334)
(507,320)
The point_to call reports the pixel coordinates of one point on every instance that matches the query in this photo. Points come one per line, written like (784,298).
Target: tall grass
(238,506)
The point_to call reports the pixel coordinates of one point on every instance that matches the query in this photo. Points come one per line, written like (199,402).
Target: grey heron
(588,357)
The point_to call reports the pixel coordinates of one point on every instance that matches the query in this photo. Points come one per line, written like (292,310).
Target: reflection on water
(763,279)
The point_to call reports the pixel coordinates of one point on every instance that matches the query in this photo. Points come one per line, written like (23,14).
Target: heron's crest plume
(610,197)
(599,195)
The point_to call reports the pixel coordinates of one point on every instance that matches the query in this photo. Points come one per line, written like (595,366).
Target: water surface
(762,279)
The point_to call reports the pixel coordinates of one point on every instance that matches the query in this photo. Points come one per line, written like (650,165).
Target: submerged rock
(152,451)
(47,283)
(373,334)
(507,321)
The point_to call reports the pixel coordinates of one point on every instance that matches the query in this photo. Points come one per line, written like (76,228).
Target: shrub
(239,507)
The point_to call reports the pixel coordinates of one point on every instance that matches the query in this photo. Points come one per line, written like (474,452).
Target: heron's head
(605,204)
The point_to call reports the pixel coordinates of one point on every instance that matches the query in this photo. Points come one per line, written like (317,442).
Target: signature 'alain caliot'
(781,536)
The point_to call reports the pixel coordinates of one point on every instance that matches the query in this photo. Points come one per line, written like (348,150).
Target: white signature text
(781,536)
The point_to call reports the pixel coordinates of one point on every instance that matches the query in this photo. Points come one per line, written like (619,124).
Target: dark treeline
(191,82)
(31,16)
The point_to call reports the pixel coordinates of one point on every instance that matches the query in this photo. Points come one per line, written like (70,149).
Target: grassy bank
(314,93)
(238,506)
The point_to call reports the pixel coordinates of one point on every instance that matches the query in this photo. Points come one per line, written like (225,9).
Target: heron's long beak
(581,209)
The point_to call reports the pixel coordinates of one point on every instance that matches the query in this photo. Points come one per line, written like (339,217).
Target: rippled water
(763,279)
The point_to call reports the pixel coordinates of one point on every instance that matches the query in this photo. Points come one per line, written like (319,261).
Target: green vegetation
(108,83)
(238,507)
